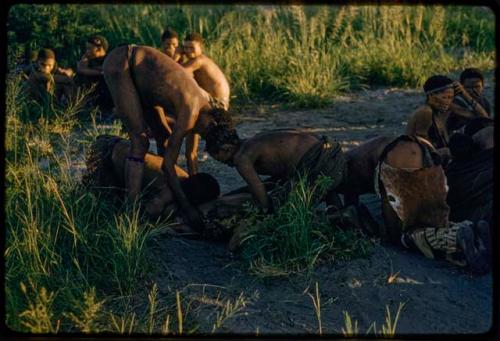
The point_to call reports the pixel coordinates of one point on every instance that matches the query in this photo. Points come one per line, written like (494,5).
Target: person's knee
(140,144)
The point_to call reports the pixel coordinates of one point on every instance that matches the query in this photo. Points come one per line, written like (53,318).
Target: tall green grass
(297,236)
(301,55)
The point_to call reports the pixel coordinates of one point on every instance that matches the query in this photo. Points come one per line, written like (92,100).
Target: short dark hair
(99,41)
(218,136)
(193,36)
(169,33)
(200,188)
(471,73)
(221,117)
(437,83)
(46,54)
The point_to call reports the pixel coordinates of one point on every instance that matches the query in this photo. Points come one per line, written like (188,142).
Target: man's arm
(84,69)
(168,167)
(193,65)
(478,110)
(192,141)
(247,171)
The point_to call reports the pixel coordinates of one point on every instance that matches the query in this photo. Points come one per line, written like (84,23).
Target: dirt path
(438,297)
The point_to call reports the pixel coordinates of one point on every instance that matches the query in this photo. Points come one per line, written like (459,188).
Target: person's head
(46,61)
(169,42)
(473,81)
(192,45)
(210,118)
(222,142)
(439,91)
(96,46)
(200,188)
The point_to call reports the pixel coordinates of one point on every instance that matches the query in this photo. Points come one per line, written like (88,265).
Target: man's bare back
(144,83)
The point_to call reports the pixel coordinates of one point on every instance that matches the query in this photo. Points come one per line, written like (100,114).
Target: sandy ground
(438,297)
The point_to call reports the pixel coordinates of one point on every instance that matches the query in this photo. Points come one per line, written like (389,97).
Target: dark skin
(471,90)
(361,163)
(274,153)
(160,86)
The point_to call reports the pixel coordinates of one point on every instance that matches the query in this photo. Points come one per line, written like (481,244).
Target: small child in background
(469,101)
(170,44)
(47,79)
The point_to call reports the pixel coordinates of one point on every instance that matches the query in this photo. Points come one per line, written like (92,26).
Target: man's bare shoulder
(422,112)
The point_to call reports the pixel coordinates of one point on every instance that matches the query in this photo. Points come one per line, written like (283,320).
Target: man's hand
(459,89)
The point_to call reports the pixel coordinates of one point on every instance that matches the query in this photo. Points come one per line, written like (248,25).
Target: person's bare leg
(129,109)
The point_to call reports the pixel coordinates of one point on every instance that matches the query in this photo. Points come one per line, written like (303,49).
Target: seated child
(207,74)
(46,79)
(170,44)
(89,71)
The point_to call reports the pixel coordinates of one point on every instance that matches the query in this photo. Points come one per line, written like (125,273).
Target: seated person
(469,101)
(46,80)
(170,44)
(207,74)
(284,154)
(89,71)
(429,120)
(470,174)
(412,185)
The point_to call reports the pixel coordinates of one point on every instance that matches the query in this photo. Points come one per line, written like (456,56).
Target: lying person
(147,86)
(106,160)
(284,154)
(412,185)
(47,80)
(469,101)
(105,171)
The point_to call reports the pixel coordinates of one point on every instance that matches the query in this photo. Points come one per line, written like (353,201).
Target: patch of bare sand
(439,298)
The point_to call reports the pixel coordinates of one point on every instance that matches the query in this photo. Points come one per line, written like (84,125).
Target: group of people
(178,94)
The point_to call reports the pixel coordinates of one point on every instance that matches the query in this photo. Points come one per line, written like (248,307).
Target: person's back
(206,72)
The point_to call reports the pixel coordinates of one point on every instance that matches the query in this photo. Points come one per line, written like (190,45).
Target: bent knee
(140,143)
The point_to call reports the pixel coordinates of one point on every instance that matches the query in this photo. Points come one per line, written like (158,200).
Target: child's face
(474,86)
(169,46)
(441,101)
(192,49)
(93,51)
(225,154)
(46,65)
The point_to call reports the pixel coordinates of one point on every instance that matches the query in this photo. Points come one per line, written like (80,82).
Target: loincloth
(325,158)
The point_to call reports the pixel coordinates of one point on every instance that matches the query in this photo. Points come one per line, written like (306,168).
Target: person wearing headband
(469,102)
(429,120)
(89,71)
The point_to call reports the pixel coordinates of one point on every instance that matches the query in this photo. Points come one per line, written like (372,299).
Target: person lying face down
(412,185)
(284,154)
(429,120)
(106,170)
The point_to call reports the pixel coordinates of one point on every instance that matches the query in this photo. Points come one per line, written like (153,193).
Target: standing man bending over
(142,79)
